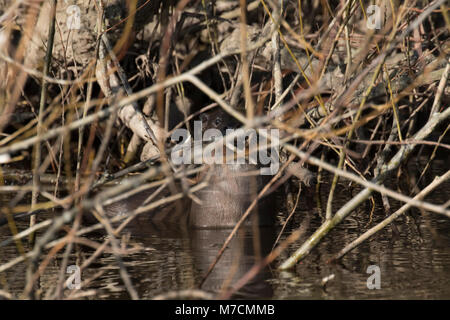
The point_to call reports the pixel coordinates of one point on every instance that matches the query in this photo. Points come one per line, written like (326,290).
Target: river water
(413,257)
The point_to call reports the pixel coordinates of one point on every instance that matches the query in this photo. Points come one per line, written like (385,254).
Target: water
(414,262)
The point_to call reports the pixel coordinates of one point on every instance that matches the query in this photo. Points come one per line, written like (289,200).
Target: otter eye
(218,121)
(203,117)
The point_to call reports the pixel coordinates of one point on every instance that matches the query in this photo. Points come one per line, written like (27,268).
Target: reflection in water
(179,258)
(241,254)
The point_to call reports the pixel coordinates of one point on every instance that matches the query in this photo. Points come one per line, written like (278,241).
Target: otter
(231,189)
(232,186)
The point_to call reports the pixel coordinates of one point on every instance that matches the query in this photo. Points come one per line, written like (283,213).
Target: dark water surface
(414,262)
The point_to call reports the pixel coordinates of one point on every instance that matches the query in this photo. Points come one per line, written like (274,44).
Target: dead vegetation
(84,107)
